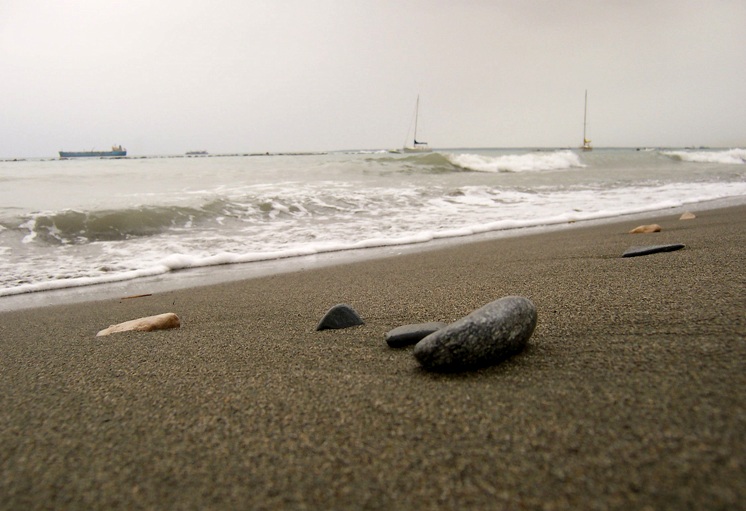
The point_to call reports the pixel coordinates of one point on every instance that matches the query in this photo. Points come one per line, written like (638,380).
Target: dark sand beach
(631,393)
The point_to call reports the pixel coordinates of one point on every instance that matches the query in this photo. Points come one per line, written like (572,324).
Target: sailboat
(417,146)
(586,143)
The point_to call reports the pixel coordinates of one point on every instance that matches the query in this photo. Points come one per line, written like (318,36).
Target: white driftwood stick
(148,324)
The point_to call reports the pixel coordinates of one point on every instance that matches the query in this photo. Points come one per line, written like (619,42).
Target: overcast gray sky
(168,76)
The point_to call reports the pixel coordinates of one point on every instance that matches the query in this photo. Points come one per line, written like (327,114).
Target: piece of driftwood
(148,324)
(136,296)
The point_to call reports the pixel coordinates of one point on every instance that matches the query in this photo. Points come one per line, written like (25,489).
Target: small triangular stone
(411,334)
(687,216)
(653,249)
(340,316)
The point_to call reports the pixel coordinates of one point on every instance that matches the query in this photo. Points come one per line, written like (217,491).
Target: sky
(226,76)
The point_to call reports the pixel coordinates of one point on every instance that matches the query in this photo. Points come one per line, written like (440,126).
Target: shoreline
(630,393)
(211,275)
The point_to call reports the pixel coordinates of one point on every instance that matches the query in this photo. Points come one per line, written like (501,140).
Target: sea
(78,229)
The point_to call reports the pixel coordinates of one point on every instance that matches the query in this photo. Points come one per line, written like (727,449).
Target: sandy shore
(631,394)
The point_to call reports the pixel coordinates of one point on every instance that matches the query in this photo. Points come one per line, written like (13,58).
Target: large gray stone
(340,316)
(411,334)
(485,337)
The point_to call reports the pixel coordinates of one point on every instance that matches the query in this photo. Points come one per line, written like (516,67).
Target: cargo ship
(116,150)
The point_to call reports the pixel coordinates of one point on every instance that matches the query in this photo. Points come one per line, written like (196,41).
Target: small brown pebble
(644,229)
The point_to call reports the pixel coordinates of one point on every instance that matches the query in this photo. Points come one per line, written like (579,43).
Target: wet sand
(630,395)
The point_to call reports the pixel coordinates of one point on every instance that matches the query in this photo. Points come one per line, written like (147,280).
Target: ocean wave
(229,211)
(160,262)
(260,210)
(530,162)
(70,227)
(727,157)
(429,163)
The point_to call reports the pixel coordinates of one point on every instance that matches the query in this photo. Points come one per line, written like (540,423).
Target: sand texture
(631,393)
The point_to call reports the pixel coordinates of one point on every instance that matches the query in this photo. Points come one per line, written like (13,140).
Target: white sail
(417,146)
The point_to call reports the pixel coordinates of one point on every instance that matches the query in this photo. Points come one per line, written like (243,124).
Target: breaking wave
(71,227)
(530,162)
(727,157)
(437,162)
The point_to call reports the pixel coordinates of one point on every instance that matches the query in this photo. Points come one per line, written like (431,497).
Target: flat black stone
(340,316)
(653,249)
(411,334)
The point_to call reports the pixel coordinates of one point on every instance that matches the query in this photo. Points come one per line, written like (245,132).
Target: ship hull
(91,154)
(417,149)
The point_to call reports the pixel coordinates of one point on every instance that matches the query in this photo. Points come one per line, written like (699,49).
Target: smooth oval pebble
(485,337)
(340,316)
(411,334)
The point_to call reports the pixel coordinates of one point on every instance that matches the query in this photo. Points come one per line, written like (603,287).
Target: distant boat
(586,143)
(417,146)
(116,150)
(196,153)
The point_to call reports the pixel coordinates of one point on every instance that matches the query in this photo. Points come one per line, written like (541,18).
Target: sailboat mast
(585,114)
(586,143)
(416,116)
